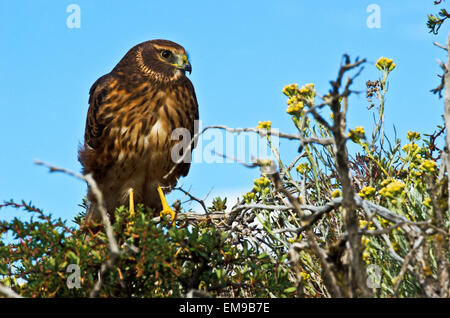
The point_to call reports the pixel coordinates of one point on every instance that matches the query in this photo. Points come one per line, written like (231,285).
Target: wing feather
(95,124)
(192,111)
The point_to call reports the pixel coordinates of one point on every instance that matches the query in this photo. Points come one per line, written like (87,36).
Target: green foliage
(435,22)
(405,178)
(169,260)
(219,204)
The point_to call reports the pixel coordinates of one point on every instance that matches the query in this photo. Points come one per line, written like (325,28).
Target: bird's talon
(131,197)
(172,213)
(166,208)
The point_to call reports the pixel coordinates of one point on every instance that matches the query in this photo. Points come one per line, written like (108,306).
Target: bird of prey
(128,137)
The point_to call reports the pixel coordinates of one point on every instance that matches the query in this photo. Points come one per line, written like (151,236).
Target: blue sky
(242,54)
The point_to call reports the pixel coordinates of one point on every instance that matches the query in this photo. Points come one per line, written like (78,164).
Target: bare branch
(8,292)
(260,131)
(193,198)
(99,197)
(440,45)
(100,205)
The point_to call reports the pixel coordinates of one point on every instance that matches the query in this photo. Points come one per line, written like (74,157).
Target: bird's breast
(141,132)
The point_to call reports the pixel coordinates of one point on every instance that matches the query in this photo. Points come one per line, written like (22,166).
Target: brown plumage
(132,113)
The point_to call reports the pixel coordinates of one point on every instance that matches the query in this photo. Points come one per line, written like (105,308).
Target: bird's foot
(166,208)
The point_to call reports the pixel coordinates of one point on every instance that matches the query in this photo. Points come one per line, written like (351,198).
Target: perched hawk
(132,113)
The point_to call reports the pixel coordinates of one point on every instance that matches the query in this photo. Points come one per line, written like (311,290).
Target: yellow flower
(264,125)
(396,186)
(306,89)
(293,100)
(307,92)
(336,193)
(365,240)
(416,174)
(428,166)
(362,223)
(412,135)
(412,147)
(356,134)
(290,90)
(366,256)
(295,108)
(385,64)
(305,276)
(303,167)
(427,202)
(262,182)
(249,197)
(392,188)
(367,192)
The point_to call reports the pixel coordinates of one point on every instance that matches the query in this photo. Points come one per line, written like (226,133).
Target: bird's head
(162,60)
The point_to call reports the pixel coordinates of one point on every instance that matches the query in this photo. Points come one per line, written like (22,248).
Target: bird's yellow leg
(166,209)
(131,197)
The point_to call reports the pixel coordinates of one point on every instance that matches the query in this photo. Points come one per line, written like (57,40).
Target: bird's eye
(166,54)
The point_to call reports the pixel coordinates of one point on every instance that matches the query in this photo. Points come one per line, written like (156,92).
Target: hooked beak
(188,67)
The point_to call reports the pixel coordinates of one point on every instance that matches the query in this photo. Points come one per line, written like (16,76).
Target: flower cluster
(366,257)
(303,168)
(307,90)
(392,189)
(367,192)
(336,193)
(295,106)
(364,223)
(411,147)
(290,90)
(365,241)
(305,276)
(356,134)
(261,187)
(264,125)
(306,94)
(427,202)
(417,164)
(428,166)
(412,135)
(249,197)
(384,64)
(261,184)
